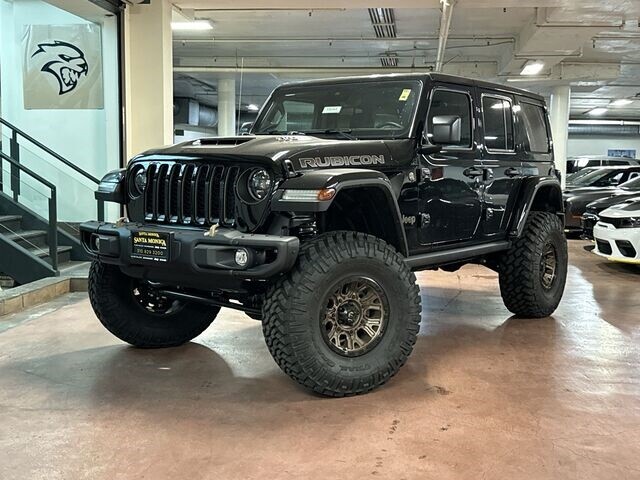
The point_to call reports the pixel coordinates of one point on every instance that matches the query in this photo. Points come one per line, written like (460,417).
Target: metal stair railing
(52,224)
(14,154)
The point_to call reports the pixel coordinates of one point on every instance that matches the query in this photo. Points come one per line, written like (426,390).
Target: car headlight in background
(259,184)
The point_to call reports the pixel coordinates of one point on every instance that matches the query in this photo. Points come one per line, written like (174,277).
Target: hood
(618,197)
(582,190)
(304,151)
(629,208)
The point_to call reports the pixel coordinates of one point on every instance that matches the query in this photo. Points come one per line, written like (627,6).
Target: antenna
(240,95)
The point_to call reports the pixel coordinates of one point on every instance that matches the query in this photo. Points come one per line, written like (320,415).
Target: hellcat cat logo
(344,161)
(64,61)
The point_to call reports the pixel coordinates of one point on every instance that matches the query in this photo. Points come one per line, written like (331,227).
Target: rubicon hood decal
(341,161)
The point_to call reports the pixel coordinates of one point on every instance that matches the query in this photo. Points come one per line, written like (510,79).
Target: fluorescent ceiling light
(597,111)
(196,25)
(253,107)
(621,102)
(532,68)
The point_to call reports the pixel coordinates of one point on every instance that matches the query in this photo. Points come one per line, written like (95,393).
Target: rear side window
(617,162)
(447,102)
(533,117)
(498,123)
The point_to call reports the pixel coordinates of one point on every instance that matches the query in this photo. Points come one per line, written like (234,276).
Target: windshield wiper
(346,134)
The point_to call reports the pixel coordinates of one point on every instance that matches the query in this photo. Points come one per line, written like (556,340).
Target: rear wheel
(138,314)
(533,272)
(346,317)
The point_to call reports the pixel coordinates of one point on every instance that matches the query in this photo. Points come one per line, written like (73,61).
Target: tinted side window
(446,102)
(533,117)
(498,123)
(617,162)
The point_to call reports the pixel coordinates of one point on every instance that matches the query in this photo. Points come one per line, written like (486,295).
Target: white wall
(599,145)
(88,138)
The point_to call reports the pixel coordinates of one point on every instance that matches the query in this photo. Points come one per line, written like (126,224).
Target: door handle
(513,172)
(472,172)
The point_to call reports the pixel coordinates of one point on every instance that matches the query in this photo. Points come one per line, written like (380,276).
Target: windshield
(382,109)
(571,178)
(600,178)
(631,184)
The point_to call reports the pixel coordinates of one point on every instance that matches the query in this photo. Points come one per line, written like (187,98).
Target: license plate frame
(151,246)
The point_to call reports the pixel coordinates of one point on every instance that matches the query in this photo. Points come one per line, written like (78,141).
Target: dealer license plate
(151,246)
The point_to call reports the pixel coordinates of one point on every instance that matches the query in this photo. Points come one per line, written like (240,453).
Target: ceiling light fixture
(597,111)
(195,26)
(253,107)
(532,68)
(621,102)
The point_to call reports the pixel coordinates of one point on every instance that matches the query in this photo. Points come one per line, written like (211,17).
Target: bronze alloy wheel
(548,266)
(355,316)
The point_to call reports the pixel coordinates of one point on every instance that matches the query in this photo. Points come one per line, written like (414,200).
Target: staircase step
(10,223)
(29,238)
(64,254)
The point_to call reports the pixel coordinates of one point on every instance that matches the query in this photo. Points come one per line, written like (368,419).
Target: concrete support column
(559,117)
(226,106)
(148,63)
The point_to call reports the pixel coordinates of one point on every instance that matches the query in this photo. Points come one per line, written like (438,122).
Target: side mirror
(446,129)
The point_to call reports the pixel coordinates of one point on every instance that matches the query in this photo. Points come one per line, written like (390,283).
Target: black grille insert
(604,246)
(191,194)
(626,248)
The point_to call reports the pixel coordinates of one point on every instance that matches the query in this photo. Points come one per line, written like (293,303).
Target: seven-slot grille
(190,194)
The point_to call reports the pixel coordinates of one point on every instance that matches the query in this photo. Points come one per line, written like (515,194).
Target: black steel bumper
(194,259)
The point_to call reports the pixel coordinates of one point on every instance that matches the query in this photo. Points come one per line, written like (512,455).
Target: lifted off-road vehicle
(315,222)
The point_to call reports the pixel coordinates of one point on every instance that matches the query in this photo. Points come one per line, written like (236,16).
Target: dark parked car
(590,217)
(599,184)
(573,177)
(315,222)
(575,164)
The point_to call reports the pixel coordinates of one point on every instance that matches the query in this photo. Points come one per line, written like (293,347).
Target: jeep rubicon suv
(315,222)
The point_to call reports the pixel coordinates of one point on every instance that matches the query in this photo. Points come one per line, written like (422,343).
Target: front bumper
(194,260)
(617,244)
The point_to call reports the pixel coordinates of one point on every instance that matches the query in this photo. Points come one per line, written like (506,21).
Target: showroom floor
(483,395)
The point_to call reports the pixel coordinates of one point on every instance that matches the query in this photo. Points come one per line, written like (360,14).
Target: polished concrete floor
(483,395)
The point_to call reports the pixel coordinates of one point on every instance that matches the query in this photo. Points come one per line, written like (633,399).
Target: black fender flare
(339,179)
(530,191)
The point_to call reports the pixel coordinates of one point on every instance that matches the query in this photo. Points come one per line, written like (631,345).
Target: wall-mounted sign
(622,152)
(62,67)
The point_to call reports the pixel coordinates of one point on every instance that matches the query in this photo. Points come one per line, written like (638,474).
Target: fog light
(242,257)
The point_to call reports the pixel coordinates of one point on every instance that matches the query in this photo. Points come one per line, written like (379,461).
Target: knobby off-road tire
(320,320)
(137,315)
(533,272)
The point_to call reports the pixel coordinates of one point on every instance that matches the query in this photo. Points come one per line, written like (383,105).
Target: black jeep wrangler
(315,222)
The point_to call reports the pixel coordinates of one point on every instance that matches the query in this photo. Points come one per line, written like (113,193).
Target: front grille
(616,222)
(626,248)
(604,246)
(190,194)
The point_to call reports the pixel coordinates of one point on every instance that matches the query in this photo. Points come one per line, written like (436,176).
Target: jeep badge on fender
(315,222)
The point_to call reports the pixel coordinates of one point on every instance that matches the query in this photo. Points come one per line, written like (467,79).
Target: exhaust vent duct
(384,22)
(187,111)
(604,130)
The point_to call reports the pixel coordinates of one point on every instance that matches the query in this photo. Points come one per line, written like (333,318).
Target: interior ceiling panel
(593,45)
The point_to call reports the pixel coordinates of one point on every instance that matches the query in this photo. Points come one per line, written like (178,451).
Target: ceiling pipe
(428,38)
(443,34)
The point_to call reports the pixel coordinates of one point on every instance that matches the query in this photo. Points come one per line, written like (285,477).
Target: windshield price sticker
(404,95)
(332,109)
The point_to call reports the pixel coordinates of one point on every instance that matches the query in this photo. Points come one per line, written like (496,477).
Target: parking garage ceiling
(593,46)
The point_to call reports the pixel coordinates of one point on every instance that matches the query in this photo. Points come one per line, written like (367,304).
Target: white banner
(62,67)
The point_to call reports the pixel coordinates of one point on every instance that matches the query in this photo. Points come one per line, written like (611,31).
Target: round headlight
(140,180)
(259,184)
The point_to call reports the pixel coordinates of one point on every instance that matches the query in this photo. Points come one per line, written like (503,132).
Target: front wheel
(140,315)
(346,317)
(533,272)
